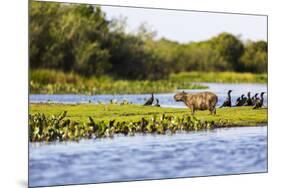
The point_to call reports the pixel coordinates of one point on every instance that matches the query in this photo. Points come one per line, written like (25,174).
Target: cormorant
(249,101)
(254,98)
(149,101)
(259,102)
(157,103)
(227,101)
(241,100)
(237,101)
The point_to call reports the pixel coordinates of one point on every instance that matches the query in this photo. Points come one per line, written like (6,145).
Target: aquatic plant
(58,127)
(50,122)
(50,128)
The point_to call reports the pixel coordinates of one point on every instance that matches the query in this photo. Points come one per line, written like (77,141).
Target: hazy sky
(184,26)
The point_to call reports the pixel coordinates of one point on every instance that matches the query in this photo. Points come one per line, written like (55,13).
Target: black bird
(227,101)
(237,101)
(157,103)
(259,102)
(254,98)
(149,101)
(241,100)
(249,101)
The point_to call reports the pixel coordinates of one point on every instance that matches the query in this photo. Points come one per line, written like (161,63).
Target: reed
(221,77)
(56,82)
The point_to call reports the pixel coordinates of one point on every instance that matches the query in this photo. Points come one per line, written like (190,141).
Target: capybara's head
(179,96)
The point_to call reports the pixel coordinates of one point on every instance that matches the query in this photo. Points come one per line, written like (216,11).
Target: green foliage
(80,39)
(254,58)
(68,37)
(52,128)
(230,49)
(98,121)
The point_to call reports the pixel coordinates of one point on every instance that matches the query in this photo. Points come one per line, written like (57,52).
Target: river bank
(50,122)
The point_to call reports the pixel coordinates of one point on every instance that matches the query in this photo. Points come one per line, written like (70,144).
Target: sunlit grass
(56,82)
(81,112)
(221,77)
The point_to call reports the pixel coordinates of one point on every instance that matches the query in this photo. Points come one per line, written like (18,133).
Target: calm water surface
(216,152)
(166,100)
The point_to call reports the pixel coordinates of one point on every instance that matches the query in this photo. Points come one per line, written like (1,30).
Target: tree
(41,41)
(254,58)
(229,48)
(79,38)
(69,38)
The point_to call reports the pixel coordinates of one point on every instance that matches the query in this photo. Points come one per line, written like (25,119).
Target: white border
(13,72)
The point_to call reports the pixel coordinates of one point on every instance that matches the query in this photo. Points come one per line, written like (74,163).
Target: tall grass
(52,77)
(51,82)
(221,77)
(57,82)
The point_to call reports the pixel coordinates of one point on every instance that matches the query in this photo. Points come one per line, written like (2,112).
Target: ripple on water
(221,151)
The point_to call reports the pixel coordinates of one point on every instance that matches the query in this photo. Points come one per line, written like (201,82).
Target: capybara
(198,101)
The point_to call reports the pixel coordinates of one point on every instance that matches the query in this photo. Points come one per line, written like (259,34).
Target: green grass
(221,77)
(235,116)
(56,82)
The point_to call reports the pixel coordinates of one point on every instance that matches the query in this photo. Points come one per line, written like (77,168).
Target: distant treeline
(79,38)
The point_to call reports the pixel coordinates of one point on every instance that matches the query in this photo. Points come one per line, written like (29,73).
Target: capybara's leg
(215,111)
(192,110)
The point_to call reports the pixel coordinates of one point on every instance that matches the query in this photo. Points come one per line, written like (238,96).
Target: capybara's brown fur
(198,101)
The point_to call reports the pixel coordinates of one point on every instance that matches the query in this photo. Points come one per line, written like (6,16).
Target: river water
(125,158)
(166,99)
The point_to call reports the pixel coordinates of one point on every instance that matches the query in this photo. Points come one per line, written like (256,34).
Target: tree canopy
(79,38)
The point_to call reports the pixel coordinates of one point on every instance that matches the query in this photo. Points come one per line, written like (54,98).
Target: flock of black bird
(255,101)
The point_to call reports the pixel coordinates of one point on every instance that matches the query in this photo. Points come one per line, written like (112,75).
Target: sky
(188,26)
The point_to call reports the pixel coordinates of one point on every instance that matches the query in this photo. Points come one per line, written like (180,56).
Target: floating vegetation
(59,127)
